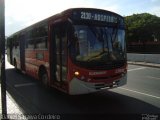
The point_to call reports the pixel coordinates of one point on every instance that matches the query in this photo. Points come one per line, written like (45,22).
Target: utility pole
(2,57)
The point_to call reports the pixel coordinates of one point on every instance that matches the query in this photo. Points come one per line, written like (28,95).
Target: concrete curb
(148,58)
(144,64)
(13,109)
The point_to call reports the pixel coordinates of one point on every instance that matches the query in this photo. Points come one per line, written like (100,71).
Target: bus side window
(41,43)
(26,44)
(15,42)
(27,39)
(41,37)
(31,44)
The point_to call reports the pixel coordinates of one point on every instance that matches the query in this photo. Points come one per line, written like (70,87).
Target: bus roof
(63,13)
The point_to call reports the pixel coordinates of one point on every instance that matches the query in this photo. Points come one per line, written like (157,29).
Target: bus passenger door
(58,53)
(22,52)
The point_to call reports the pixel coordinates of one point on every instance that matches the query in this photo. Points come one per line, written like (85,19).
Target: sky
(22,13)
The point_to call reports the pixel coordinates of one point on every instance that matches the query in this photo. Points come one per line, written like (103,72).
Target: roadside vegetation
(143,31)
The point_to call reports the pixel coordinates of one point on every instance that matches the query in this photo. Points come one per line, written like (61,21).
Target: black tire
(15,64)
(44,77)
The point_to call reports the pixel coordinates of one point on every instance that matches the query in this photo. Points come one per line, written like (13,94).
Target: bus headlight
(76,73)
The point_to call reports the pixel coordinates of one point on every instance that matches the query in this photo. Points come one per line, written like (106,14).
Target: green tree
(142,28)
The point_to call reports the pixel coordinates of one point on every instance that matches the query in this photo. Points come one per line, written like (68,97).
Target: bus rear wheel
(44,77)
(15,64)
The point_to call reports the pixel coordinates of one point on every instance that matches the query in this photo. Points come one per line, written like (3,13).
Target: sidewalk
(13,110)
(144,64)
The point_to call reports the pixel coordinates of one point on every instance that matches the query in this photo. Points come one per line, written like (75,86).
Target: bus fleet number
(86,15)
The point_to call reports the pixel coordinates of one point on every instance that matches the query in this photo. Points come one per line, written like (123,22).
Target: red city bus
(78,51)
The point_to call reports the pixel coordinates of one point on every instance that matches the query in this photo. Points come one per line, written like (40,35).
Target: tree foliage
(142,28)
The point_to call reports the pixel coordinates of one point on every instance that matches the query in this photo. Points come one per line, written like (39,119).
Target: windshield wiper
(95,56)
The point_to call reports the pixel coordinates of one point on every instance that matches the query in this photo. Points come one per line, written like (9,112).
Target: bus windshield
(98,44)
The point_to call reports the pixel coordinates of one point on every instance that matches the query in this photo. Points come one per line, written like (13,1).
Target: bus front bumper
(80,87)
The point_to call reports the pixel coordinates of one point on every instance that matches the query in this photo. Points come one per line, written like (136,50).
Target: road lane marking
(140,93)
(24,84)
(136,69)
(153,77)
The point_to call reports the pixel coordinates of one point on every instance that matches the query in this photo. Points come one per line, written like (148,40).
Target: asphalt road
(141,96)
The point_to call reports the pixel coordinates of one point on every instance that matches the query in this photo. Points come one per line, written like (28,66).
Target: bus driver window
(83,43)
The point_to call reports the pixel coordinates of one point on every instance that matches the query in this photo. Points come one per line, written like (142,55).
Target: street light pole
(2,62)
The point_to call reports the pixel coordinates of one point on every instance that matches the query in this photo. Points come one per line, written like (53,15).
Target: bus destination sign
(97,16)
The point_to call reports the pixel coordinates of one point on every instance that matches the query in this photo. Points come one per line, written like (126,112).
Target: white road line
(136,69)
(140,93)
(153,77)
(24,84)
